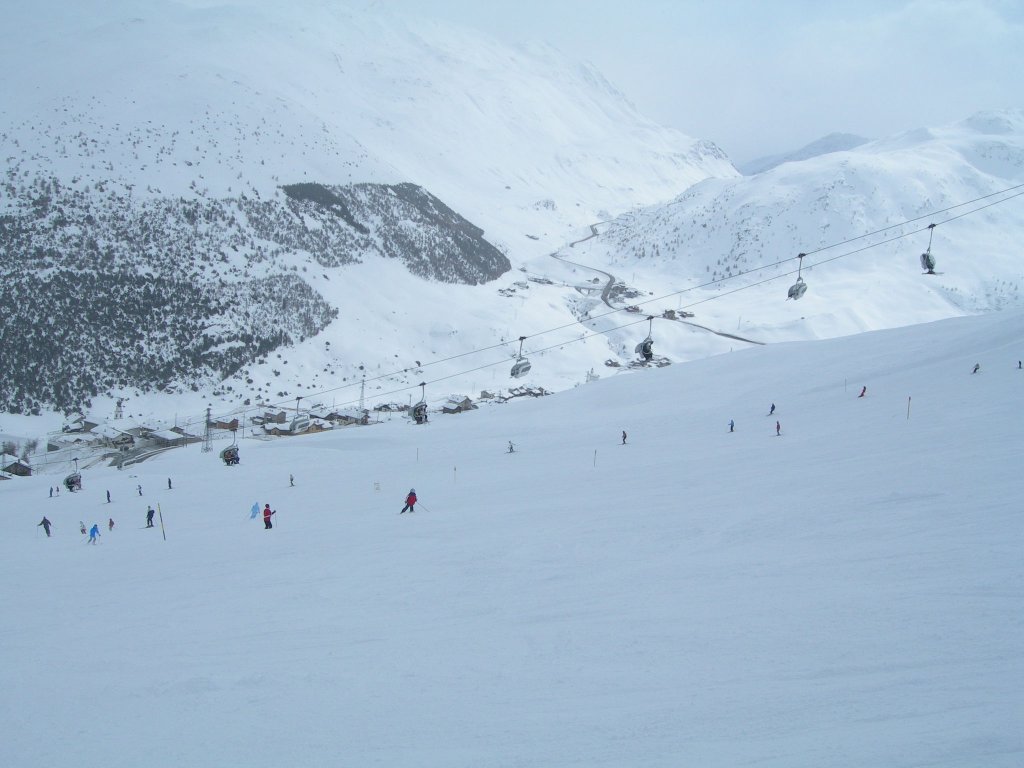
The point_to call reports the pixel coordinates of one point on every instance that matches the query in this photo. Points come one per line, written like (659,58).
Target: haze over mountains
(834,142)
(149,148)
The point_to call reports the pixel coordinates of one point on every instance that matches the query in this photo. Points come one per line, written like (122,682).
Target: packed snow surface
(844,593)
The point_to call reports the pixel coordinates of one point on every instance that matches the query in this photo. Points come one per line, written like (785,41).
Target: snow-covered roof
(166,434)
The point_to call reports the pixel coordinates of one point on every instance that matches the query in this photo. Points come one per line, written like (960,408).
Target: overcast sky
(762,78)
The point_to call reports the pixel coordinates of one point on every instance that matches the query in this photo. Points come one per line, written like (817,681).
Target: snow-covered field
(847,593)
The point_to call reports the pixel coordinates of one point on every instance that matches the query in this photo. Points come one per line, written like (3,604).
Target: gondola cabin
(521,367)
(646,349)
(419,412)
(797,289)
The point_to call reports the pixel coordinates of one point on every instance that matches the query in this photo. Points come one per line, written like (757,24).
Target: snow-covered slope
(845,594)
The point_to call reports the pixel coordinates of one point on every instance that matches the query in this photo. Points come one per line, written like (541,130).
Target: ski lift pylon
(799,288)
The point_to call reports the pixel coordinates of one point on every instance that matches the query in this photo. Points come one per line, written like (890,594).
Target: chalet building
(12,465)
(458,404)
(278,430)
(168,438)
(78,423)
(269,417)
(115,438)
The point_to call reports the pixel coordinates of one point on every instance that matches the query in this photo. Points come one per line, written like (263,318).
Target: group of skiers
(94,532)
(267,512)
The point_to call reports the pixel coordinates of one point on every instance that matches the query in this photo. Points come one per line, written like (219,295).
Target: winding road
(611,281)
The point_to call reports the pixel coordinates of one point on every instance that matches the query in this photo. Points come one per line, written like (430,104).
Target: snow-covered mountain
(148,152)
(845,594)
(177,97)
(727,249)
(834,142)
(157,248)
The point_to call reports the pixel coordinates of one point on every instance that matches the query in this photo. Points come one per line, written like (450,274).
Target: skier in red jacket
(410,501)
(267,525)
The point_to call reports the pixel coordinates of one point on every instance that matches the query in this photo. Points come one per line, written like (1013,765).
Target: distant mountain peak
(833,142)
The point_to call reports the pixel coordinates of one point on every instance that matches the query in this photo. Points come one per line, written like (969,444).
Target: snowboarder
(977,367)
(110,524)
(410,502)
(46,526)
(778,429)
(267,512)
(623,437)
(732,425)
(94,533)
(81,527)
(772,411)
(139,488)
(863,391)
(149,516)
(108,497)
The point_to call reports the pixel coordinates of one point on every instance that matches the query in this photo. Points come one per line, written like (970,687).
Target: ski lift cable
(707,284)
(926,216)
(485,366)
(710,283)
(780,262)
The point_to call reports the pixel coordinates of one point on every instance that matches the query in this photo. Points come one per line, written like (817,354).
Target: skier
(46,526)
(94,533)
(732,425)
(291,481)
(977,367)
(772,411)
(110,524)
(623,437)
(168,483)
(108,497)
(149,516)
(778,429)
(511,448)
(139,488)
(267,525)
(51,491)
(81,527)
(410,502)
(863,391)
